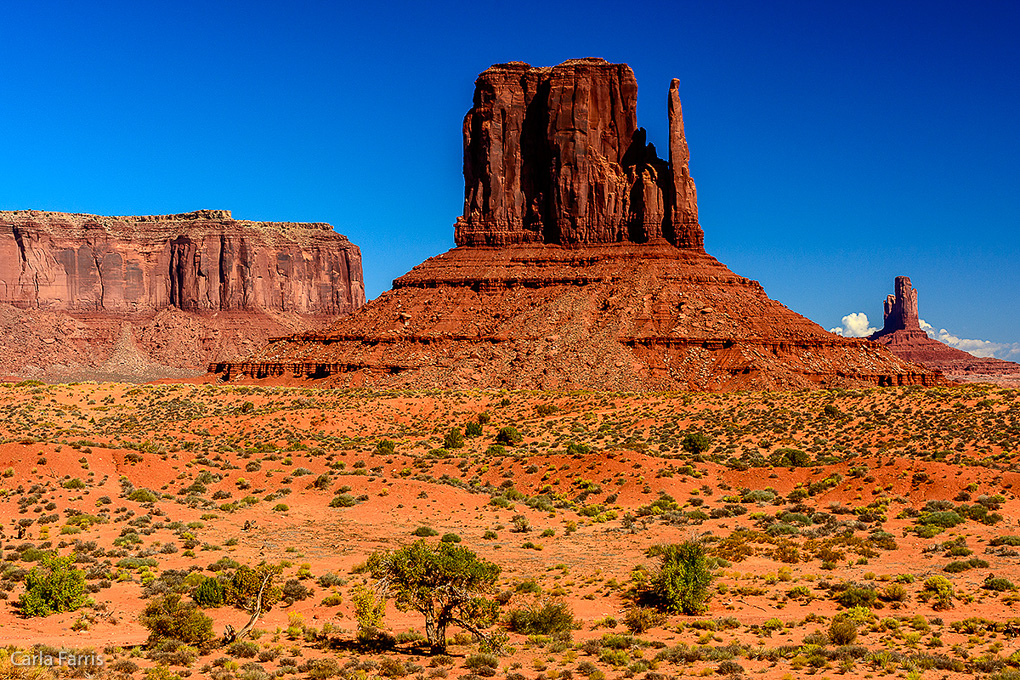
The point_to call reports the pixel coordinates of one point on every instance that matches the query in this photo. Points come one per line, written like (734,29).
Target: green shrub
(641,619)
(167,617)
(343,500)
(209,592)
(696,442)
(940,589)
(479,661)
(142,496)
(550,618)
(385,447)
(243,649)
(509,436)
(856,596)
(450,538)
(946,519)
(424,531)
(842,632)
(1005,540)
(454,439)
(74,484)
(682,582)
(790,458)
(472,429)
(53,586)
(998,584)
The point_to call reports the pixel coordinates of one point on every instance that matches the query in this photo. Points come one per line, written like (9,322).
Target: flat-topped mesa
(553,155)
(901,308)
(198,261)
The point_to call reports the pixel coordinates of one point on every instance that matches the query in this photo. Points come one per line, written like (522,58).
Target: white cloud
(979,348)
(855,325)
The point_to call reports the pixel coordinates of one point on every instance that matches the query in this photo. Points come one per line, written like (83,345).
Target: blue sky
(835,145)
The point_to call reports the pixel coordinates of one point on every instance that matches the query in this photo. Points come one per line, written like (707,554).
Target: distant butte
(903,335)
(152,296)
(579,264)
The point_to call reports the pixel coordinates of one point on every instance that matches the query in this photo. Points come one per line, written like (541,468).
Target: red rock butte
(579,264)
(182,290)
(903,335)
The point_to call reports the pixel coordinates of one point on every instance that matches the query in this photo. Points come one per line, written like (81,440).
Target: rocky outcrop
(199,261)
(903,335)
(176,290)
(554,155)
(579,265)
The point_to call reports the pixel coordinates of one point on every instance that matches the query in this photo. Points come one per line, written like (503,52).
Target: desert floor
(888,488)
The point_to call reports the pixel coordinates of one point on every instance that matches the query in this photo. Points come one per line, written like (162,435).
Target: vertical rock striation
(553,155)
(199,261)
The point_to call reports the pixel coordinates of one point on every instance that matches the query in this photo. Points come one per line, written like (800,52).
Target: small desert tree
(254,590)
(446,583)
(683,579)
(53,586)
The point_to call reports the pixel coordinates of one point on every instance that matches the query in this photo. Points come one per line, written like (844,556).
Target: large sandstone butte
(903,335)
(579,264)
(78,292)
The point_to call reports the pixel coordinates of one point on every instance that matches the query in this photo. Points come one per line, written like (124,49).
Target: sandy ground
(592,464)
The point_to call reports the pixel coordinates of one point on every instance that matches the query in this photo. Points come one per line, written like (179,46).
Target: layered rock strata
(199,261)
(902,334)
(177,290)
(579,265)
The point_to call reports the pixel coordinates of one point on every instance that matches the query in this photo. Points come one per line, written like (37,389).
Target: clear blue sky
(835,145)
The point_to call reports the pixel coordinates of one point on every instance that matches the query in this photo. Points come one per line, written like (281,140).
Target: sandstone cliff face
(579,265)
(86,297)
(554,155)
(903,335)
(200,261)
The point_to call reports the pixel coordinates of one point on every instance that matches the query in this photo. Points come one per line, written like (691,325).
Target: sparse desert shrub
(243,649)
(550,618)
(294,591)
(142,496)
(787,457)
(940,590)
(508,436)
(209,592)
(166,617)
(998,584)
(842,631)
(696,442)
(641,619)
(454,439)
(53,586)
(682,581)
(450,538)
(521,524)
(894,592)
(424,531)
(857,596)
(343,500)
